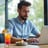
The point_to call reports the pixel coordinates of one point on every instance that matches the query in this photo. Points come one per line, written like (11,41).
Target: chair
(1,38)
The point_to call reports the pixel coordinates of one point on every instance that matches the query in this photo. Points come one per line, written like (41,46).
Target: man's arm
(36,32)
(38,35)
(10,29)
(14,39)
(36,39)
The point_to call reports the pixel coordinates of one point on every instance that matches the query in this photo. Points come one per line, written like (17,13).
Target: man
(21,27)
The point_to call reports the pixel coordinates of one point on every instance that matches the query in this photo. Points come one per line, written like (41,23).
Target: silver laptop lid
(44,36)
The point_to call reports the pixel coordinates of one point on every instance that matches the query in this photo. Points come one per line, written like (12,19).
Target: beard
(24,18)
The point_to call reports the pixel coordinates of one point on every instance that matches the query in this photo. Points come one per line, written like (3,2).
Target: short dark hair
(23,3)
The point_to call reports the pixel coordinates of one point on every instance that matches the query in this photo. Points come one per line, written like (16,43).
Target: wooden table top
(43,46)
(27,46)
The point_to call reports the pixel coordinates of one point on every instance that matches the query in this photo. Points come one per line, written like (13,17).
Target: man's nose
(26,13)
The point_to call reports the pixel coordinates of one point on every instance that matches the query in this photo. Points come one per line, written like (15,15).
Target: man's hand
(33,40)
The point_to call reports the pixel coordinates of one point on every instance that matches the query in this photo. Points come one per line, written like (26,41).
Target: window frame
(45,13)
(6,13)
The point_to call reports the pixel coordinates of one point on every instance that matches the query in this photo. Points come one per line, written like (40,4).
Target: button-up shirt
(22,30)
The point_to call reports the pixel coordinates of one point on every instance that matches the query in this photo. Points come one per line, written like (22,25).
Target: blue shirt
(22,30)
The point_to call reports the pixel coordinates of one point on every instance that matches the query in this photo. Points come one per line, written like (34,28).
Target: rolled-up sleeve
(10,27)
(34,29)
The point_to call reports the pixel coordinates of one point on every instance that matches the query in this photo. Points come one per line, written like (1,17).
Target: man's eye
(24,11)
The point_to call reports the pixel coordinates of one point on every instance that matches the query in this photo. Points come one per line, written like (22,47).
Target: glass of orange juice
(7,38)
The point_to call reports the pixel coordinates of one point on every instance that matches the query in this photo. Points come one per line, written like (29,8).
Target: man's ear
(18,10)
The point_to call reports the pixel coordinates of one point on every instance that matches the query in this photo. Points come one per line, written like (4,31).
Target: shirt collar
(21,22)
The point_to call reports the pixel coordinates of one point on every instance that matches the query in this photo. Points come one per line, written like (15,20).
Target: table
(28,46)
(44,46)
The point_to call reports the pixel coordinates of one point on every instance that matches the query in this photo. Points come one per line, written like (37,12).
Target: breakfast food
(21,43)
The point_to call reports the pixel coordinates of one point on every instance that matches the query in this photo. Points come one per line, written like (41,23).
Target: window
(12,8)
(2,14)
(36,11)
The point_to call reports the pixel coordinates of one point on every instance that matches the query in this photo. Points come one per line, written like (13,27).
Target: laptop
(43,39)
(44,35)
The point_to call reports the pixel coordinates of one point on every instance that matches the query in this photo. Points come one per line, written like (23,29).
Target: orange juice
(7,38)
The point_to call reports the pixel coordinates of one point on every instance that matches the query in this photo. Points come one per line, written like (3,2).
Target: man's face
(23,12)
